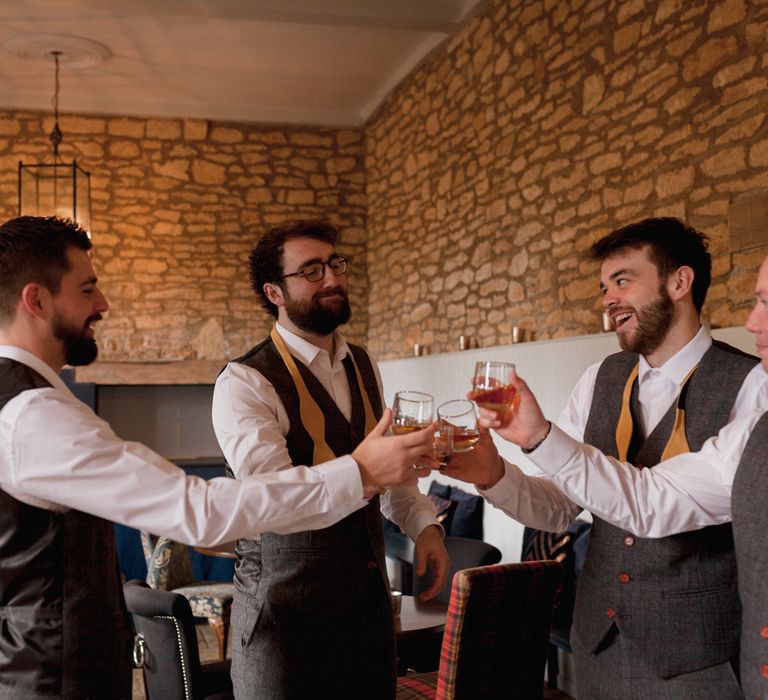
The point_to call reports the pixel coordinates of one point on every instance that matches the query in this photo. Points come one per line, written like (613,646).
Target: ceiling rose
(75,51)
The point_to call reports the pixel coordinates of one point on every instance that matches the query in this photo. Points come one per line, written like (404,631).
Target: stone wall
(543,125)
(469,196)
(177,206)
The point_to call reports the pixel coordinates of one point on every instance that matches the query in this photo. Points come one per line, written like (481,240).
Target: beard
(653,323)
(313,317)
(79,349)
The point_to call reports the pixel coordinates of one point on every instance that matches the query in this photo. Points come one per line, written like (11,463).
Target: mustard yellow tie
(677,443)
(311,414)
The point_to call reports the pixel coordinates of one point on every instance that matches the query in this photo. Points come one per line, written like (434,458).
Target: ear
(274,293)
(35,299)
(680,282)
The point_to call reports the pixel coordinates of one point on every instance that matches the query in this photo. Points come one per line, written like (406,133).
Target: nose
(101,303)
(752,324)
(609,299)
(329,278)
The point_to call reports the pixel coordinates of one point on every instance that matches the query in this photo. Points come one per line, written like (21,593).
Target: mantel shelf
(151,373)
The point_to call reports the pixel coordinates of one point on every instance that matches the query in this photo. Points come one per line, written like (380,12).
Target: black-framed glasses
(316,271)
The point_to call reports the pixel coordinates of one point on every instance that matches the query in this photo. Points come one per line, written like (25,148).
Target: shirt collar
(308,352)
(13,352)
(677,367)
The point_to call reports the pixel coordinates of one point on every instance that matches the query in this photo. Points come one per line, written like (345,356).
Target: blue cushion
(467,518)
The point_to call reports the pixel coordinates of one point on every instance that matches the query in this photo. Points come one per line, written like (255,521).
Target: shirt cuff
(342,479)
(421,520)
(555,452)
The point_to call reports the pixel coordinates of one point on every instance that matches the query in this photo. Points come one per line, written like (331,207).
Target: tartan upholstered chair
(496,634)
(169,568)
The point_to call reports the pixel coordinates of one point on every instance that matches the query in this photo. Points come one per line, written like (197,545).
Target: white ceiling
(322,62)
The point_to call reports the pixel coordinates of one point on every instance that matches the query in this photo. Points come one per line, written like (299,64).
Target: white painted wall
(551,368)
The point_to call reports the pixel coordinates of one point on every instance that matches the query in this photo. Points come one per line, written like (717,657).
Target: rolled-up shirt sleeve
(57,454)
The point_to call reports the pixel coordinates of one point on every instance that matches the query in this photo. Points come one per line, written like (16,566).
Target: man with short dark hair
(725,481)
(312,614)
(653,618)
(64,475)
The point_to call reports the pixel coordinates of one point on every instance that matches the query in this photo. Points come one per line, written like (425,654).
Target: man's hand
(525,426)
(481,465)
(430,552)
(388,460)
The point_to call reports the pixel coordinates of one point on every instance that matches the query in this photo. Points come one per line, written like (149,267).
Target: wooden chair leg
(221,627)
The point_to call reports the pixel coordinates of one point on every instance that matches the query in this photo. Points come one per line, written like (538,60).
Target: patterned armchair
(169,568)
(495,639)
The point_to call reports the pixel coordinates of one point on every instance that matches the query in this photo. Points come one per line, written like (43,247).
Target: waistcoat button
(624,577)
(629,541)
(371,565)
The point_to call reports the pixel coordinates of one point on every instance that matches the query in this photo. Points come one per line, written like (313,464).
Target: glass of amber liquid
(462,417)
(491,387)
(411,410)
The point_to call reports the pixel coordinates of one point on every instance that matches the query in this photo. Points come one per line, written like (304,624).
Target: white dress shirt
(686,492)
(542,502)
(251,425)
(56,454)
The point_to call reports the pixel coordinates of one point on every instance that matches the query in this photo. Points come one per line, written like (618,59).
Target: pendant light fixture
(58,188)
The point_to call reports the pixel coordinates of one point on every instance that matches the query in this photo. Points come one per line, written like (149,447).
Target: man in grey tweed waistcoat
(65,476)
(654,618)
(727,479)
(312,615)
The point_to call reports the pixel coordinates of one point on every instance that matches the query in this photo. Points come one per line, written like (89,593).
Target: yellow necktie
(311,414)
(677,443)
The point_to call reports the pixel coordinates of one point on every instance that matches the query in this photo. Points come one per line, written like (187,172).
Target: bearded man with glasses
(309,603)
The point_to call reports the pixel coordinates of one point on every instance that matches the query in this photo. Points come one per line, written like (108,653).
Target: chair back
(169,564)
(497,631)
(570,549)
(464,553)
(166,642)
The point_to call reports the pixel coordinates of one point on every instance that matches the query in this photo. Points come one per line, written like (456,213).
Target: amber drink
(460,415)
(491,388)
(411,411)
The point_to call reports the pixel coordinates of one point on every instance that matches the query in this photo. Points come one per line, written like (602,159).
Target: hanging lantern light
(58,188)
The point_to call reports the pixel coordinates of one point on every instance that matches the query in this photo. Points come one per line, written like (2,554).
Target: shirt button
(629,541)
(624,577)
(764,632)
(764,670)
(371,565)
(611,613)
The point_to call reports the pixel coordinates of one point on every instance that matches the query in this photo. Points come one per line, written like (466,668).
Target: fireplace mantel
(151,373)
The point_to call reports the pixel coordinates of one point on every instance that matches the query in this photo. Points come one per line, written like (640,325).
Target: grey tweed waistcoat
(674,599)
(63,624)
(750,530)
(327,569)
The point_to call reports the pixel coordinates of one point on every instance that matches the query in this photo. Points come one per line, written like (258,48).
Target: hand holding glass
(491,387)
(462,417)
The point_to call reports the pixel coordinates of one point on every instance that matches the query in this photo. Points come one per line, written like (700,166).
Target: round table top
(227,552)
(418,618)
